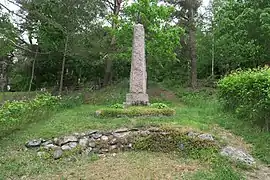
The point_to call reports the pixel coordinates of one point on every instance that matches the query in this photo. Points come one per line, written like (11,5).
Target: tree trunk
(109,63)
(33,71)
(192,43)
(63,67)
(213,56)
(213,41)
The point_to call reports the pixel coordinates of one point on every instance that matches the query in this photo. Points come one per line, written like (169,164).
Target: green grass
(250,133)
(201,112)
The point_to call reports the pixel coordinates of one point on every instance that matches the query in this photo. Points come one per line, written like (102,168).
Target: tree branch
(13,12)
(110,4)
(28,50)
(55,24)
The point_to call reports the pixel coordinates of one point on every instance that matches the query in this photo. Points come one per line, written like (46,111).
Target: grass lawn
(193,111)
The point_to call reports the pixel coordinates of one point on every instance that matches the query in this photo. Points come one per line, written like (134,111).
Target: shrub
(247,93)
(159,105)
(14,114)
(135,111)
(117,106)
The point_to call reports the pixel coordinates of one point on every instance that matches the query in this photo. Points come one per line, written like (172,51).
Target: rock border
(101,142)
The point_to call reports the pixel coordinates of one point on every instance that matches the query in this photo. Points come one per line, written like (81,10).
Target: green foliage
(7,32)
(248,94)
(240,33)
(117,106)
(161,37)
(135,111)
(159,105)
(71,101)
(14,114)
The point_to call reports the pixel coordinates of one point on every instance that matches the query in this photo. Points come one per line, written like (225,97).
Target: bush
(117,106)
(159,105)
(14,114)
(135,111)
(247,93)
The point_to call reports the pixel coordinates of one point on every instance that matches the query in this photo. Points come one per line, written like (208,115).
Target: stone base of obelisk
(136,99)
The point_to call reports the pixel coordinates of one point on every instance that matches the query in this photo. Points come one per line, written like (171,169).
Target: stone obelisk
(138,75)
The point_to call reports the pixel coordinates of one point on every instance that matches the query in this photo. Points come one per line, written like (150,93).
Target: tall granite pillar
(138,76)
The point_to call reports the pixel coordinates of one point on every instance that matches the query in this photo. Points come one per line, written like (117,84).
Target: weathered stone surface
(208,137)
(134,129)
(65,140)
(33,143)
(113,147)
(138,75)
(88,150)
(113,141)
(83,142)
(121,130)
(136,99)
(145,133)
(192,134)
(77,134)
(123,139)
(104,138)
(69,146)
(89,133)
(47,143)
(121,135)
(98,113)
(65,147)
(56,141)
(237,154)
(154,129)
(129,145)
(97,135)
(50,146)
(72,144)
(57,154)
(105,150)
(92,144)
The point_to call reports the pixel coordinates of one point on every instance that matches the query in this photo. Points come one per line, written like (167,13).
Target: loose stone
(121,130)
(104,138)
(50,146)
(65,147)
(92,144)
(113,141)
(192,134)
(57,154)
(237,154)
(208,137)
(72,145)
(33,143)
(97,135)
(154,129)
(83,142)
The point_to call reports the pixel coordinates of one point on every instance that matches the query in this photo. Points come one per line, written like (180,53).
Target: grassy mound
(177,141)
